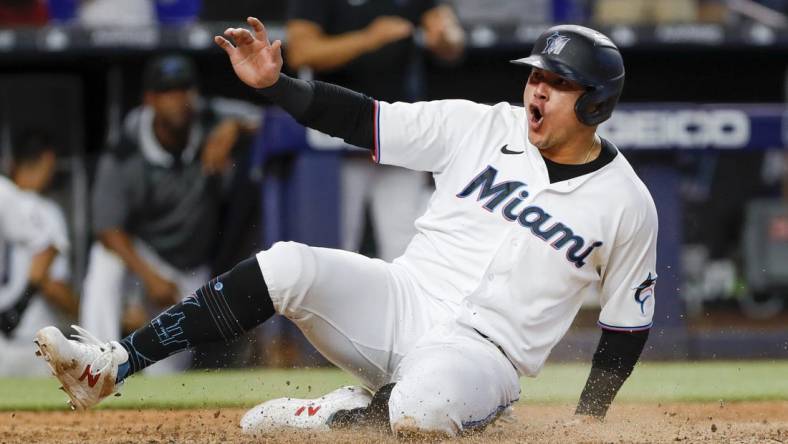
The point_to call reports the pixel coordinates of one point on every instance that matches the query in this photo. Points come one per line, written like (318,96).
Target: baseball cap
(169,72)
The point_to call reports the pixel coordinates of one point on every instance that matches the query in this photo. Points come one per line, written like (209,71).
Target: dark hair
(30,145)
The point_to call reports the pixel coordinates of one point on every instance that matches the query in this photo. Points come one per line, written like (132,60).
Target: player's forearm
(39,266)
(328,108)
(37,277)
(60,294)
(121,244)
(614,360)
(325,53)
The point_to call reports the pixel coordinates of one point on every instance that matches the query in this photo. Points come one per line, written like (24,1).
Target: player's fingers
(241,36)
(224,44)
(244,36)
(276,45)
(259,29)
(230,34)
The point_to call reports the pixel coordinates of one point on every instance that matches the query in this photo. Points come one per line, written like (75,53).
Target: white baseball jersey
(17,258)
(28,224)
(518,252)
(24,221)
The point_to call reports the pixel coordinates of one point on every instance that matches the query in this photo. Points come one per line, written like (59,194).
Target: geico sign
(723,128)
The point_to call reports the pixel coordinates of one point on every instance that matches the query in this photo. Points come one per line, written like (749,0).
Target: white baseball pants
(372,319)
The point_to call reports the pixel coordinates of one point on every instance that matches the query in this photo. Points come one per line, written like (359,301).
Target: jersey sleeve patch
(645,291)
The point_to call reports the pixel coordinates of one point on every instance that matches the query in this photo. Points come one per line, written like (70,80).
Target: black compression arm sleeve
(334,110)
(614,359)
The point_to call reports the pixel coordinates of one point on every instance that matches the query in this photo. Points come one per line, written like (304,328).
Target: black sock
(223,309)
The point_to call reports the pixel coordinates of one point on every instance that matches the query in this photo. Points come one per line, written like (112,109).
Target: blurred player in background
(371,47)
(157,195)
(34,287)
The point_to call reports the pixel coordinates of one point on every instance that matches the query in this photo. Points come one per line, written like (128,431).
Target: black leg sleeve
(614,360)
(376,414)
(221,310)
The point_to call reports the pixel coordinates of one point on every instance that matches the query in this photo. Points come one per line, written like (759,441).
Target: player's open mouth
(535,117)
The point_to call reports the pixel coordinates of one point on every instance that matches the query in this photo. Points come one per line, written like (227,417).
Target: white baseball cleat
(85,366)
(312,414)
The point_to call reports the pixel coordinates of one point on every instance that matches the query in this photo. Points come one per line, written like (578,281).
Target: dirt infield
(761,422)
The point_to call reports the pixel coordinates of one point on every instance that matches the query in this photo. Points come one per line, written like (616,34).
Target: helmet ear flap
(589,108)
(583,108)
(596,106)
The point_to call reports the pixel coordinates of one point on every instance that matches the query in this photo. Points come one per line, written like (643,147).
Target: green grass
(671,382)
(651,382)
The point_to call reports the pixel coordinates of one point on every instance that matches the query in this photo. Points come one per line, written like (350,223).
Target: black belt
(496,346)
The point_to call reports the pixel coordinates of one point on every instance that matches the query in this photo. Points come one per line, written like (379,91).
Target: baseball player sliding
(532,210)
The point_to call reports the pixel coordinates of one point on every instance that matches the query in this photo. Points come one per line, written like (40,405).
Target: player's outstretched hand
(256,61)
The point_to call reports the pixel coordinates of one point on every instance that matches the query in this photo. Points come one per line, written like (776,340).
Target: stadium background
(703,119)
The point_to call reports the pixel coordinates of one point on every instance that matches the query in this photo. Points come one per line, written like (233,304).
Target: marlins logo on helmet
(555,44)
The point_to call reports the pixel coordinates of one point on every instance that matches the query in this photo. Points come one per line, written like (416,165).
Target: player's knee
(422,414)
(289,270)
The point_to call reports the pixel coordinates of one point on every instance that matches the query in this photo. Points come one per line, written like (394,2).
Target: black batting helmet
(584,56)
